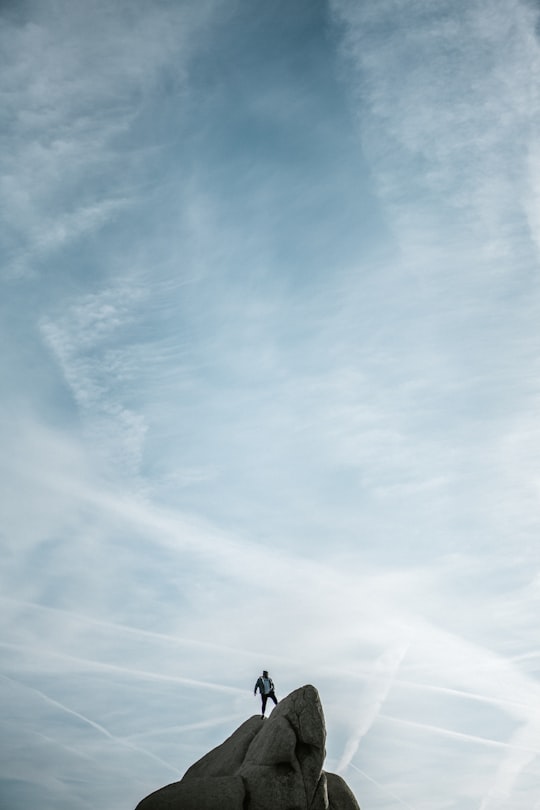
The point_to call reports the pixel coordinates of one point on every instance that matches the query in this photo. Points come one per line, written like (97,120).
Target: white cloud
(228,445)
(452,100)
(75,79)
(523,750)
(384,674)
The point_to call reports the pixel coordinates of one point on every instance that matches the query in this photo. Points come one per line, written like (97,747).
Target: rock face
(273,764)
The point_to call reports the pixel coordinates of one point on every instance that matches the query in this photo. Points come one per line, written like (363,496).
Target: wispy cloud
(384,673)
(523,749)
(466,123)
(74,82)
(459,735)
(270,362)
(55,704)
(383,788)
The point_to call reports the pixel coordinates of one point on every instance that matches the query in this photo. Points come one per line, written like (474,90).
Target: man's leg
(272,695)
(264,699)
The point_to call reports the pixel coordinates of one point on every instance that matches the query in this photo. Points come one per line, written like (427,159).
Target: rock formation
(271,764)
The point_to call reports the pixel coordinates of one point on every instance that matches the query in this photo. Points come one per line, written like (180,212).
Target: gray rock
(217,793)
(273,764)
(340,796)
(283,764)
(227,758)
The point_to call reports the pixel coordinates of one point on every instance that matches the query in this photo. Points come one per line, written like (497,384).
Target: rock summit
(266,764)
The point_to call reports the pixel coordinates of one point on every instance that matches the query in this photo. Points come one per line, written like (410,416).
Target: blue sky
(269,317)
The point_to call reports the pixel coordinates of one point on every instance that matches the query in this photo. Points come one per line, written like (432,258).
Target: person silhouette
(265,685)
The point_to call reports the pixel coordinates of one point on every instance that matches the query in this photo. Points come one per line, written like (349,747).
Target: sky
(269,316)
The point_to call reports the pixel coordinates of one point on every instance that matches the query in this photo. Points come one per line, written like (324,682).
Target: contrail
(185,727)
(52,702)
(134,673)
(97,726)
(382,677)
(446,690)
(512,765)
(63,746)
(381,787)
(459,735)
(123,628)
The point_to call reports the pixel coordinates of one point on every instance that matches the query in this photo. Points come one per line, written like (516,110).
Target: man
(265,685)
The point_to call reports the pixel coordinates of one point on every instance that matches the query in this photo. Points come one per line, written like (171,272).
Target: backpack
(261,685)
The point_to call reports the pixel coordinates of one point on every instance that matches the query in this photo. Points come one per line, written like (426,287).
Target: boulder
(340,796)
(227,758)
(284,763)
(217,793)
(266,764)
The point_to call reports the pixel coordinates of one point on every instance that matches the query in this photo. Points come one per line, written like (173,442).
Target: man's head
(265,673)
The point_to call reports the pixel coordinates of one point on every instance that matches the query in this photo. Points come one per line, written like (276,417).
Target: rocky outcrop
(273,764)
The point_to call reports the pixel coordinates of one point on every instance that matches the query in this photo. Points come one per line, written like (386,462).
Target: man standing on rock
(265,685)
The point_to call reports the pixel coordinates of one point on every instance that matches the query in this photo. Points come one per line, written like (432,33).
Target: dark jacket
(260,686)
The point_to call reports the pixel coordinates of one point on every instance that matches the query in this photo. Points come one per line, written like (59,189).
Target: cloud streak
(381,682)
(75,83)
(270,358)
(55,704)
